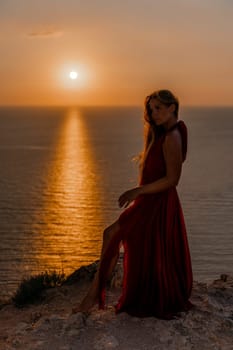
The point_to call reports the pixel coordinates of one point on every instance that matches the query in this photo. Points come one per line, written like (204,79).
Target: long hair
(151,130)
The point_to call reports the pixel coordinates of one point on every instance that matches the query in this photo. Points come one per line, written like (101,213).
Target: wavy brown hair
(151,130)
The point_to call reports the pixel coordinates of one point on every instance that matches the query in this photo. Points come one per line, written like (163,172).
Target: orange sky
(122,50)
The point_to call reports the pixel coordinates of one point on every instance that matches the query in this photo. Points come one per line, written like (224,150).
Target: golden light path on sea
(72,211)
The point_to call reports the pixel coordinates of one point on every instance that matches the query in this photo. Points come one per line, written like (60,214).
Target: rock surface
(51,325)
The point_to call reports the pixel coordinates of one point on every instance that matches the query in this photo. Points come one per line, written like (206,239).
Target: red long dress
(157,266)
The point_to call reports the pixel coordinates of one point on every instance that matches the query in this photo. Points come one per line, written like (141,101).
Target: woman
(157,267)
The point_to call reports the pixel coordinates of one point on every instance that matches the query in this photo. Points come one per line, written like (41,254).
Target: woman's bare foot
(86,304)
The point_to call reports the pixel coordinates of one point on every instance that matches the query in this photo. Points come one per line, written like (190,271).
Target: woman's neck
(170,123)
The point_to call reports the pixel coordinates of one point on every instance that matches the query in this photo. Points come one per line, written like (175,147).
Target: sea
(61,173)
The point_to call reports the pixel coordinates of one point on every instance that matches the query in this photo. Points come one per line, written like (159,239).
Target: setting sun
(73,75)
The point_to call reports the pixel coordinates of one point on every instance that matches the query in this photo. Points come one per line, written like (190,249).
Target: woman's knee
(110,231)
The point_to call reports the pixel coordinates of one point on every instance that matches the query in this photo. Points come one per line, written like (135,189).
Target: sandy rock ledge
(51,325)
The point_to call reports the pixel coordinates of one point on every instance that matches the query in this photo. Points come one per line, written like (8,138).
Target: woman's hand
(127,197)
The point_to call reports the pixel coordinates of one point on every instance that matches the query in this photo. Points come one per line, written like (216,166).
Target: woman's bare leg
(91,297)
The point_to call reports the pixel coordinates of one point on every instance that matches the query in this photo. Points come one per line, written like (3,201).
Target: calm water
(62,170)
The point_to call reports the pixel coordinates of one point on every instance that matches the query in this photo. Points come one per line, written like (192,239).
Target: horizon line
(106,106)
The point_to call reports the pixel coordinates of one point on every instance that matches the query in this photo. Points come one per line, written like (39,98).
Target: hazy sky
(122,51)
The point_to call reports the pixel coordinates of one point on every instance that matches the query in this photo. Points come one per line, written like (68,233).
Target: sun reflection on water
(72,216)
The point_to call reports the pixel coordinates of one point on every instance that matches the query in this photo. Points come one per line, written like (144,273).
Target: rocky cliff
(49,324)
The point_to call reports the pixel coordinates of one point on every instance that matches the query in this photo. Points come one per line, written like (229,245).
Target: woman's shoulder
(179,125)
(172,138)
(177,136)
(177,130)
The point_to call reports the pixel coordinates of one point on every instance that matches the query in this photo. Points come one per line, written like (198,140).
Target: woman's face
(160,113)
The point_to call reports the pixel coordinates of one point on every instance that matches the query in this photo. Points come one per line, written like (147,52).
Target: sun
(73,75)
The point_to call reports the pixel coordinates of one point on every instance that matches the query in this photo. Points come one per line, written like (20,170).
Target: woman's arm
(172,149)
